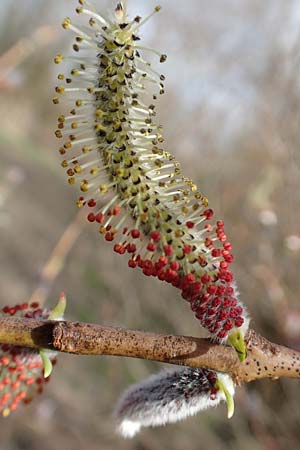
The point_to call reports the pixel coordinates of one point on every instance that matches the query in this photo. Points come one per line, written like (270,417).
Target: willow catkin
(112,149)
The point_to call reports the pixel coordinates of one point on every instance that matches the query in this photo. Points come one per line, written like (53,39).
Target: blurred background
(231,116)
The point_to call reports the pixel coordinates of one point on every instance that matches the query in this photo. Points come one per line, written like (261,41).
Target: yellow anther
(205,202)
(77,169)
(61,118)
(61,76)
(60,89)
(55,100)
(157,8)
(66,23)
(74,125)
(58,58)
(58,134)
(103,188)
(71,180)
(84,186)
(64,163)
(78,103)
(6,412)
(102,230)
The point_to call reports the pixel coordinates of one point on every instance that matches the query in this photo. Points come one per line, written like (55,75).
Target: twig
(56,260)
(264,360)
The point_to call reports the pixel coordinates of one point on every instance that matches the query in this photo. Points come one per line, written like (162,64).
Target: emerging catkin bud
(112,149)
(169,397)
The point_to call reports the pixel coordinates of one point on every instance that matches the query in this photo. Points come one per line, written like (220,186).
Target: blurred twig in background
(22,50)
(55,263)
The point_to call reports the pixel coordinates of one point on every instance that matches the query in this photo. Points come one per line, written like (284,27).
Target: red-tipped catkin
(133,188)
(21,369)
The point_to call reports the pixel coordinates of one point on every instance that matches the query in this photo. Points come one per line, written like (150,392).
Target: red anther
(212,311)
(228,325)
(168,249)
(205,298)
(4,361)
(212,378)
(190,224)
(174,265)
(205,279)
(222,315)
(12,311)
(21,376)
(239,322)
(147,272)
(221,290)
(196,287)
(132,263)
(5,397)
(100,218)
(226,302)
(224,265)
(108,228)
(208,242)
(208,227)
(163,260)
(135,234)
(116,210)
(117,248)
(216,252)
(211,289)
(91,217)
(217,301)
(239,310)
(109,236)
(131,248)
(6,309)
(15,385)
(34,305)
(29,381)
(230,291)
(222,334)
(92,203)
(220,224)
(125,229)
(189,278)
(140,262)
(200,311)
(24,306)
(208,214)
(151,247)
(6,381)
(161,275)
(155,235)
(227,246)
(223,238)
(148,264)
(233,313)
(187,249)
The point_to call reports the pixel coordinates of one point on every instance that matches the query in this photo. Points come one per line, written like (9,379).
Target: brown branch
(264,360)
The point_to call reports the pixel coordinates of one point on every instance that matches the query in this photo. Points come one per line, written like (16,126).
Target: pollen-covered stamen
(21,369)
(163,222)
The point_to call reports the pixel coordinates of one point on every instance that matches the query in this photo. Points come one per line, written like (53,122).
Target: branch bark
(264,360)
